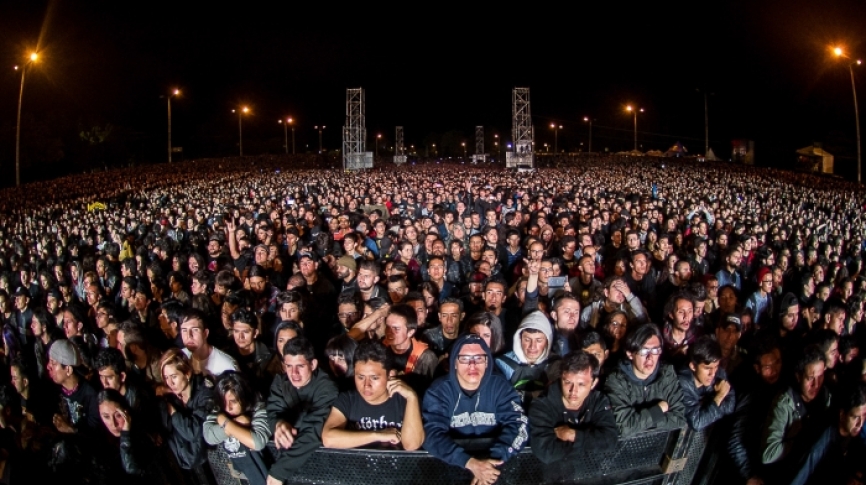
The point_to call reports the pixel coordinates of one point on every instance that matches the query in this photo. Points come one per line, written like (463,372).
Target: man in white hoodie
(526,366)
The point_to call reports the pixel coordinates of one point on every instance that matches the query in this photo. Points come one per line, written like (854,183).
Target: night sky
(438,68)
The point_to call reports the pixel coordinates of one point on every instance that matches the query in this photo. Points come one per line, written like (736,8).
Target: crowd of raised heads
(268,307)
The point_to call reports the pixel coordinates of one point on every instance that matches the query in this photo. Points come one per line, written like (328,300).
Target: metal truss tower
(399,147)
(355,156)
(522,132)
(480,155)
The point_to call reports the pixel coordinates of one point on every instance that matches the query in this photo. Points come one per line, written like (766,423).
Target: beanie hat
(348,262)
(65,353)
(764,271)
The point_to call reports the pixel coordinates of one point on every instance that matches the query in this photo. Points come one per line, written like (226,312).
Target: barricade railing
(664,457)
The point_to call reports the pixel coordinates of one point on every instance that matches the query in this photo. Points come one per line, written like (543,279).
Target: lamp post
(496,144)
(434,150)
(241,112)
(635,111)
(588,119)
(286,124)
(840,53)
(463,144)
(378,137)
(556,129)
(171,95)
(320,128)
(33,58)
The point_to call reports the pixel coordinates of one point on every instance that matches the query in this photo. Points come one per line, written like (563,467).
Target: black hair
(491,321)
(590,338)
(854,398)
(243,315)
(705,350)
(369,350)
(112,358)
(452,301)
(237,384)
(173,310)
(810,355)
(291,297)
(635,339)
(406,312)
(579,361)
(300,345)
(113,396)
(343,346)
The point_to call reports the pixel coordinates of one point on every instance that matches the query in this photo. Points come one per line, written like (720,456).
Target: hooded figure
(526,365)
(471,412)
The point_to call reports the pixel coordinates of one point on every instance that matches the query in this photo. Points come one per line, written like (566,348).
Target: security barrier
(666,457)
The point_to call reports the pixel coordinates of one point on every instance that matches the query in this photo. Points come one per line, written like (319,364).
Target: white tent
(711,157)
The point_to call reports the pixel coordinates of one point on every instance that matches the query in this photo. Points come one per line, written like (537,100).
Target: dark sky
(435,68)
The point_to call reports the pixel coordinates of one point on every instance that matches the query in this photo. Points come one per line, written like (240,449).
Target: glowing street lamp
(556,129)
(588,119)
(378,137)
(463,144)
(241,112)
(635,111)
(840,53)
(320,128)
(288,122)
(173,93)
(31,59)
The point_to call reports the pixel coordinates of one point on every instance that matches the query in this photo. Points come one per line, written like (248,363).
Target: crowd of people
(269,308)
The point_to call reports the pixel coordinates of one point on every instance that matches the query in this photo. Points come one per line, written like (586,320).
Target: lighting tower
(355,156)
(399,147)
(522,131)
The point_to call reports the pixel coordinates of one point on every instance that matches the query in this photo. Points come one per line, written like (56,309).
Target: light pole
(496,144)
(240,113)
(378,137)
(286,134)
(434,150)
(556,129)
(588,119)
(33,58)
(635,111)
(463,144)
(320,128)
(839,53)
(171,95)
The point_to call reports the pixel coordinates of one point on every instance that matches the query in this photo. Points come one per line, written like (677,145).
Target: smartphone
(556,281)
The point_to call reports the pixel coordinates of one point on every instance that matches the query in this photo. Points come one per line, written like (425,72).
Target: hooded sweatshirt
(514,365)
(491,414)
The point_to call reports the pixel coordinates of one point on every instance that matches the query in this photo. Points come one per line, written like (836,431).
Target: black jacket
(185,426)
(306,409)
(596,428)
(701,409)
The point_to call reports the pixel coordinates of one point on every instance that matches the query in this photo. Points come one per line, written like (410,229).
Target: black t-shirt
(363,416)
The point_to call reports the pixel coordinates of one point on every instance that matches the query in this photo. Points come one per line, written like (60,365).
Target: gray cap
(65,353)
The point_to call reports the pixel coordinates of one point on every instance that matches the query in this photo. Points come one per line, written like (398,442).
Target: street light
(174,93)
(434,150)
(588,119)
(240,113)
(320,128)
(556,129)
(840,53)
(635,111)
(378,137)
(286,125)
(33,58)
(463,144)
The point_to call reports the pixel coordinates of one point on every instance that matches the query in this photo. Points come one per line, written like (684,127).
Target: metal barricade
(669,457)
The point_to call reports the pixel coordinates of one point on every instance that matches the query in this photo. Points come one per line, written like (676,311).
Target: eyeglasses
(645,351)
(346,314)
(472,359)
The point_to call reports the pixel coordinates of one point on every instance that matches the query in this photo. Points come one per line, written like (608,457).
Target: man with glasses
(761,301)
(644,393)
(472,417)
